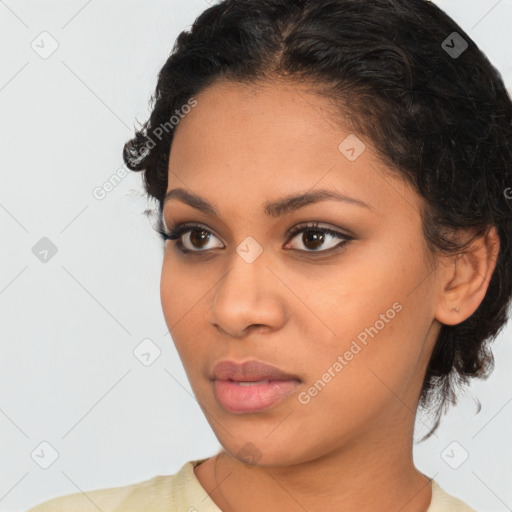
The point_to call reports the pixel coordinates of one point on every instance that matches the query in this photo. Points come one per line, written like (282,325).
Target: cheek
(183,295)
(175,307)
(373,312)
(357,376)
(180,290)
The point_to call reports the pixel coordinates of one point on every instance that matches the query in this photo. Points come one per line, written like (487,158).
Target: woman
(332,179)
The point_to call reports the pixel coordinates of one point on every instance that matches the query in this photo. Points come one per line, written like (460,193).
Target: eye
(198,237)
(314,237)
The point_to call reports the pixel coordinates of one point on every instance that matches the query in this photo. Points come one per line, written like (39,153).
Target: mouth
(249,371)
(251,386)
(249,382)
(240,397)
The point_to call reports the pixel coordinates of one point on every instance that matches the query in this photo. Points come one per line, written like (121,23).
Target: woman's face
(354,322)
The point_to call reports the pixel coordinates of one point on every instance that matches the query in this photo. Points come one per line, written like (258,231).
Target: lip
(251,386)
(249,371)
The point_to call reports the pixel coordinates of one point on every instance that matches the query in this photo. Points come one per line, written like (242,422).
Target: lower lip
(238,398)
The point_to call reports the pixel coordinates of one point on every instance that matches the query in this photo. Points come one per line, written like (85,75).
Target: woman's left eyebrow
(294,202)
(277,208)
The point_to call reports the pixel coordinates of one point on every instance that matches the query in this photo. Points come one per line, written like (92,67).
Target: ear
(466,279)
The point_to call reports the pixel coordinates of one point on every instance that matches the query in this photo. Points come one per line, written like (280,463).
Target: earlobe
(466,279)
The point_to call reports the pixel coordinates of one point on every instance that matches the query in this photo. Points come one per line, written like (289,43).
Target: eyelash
(176,233)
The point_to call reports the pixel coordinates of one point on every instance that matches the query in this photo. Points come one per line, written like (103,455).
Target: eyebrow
(272,208)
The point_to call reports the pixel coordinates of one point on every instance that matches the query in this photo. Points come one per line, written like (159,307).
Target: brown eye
(195,238)
(199,238)
(314,237)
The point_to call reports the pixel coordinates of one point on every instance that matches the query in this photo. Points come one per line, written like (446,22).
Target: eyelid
(344,238)
(321,226)
(176,233)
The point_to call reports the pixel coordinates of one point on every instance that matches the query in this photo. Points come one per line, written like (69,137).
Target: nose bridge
(246,294)
(244,276)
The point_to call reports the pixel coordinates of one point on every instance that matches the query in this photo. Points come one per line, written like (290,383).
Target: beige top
(181,492)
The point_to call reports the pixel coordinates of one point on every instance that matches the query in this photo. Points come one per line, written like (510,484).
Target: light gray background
(68,327)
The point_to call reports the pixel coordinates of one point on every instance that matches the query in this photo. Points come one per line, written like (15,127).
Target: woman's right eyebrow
(277,208)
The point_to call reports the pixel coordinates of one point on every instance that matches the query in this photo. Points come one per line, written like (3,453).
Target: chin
(258,451)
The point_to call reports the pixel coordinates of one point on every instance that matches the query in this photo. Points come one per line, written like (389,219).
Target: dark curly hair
(431,103)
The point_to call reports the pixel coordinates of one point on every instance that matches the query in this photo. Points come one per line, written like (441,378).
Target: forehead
(251,143)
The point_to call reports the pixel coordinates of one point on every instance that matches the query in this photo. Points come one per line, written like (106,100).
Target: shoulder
(127,498)
(444,502)
(155,494)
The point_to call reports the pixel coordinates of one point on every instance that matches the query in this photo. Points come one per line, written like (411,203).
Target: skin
(350,447)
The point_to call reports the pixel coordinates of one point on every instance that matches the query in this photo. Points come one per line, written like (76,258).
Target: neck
(375,472)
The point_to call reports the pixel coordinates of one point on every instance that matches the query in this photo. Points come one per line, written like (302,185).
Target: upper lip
(249,371)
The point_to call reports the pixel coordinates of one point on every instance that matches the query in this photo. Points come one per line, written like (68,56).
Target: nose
(248,297)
